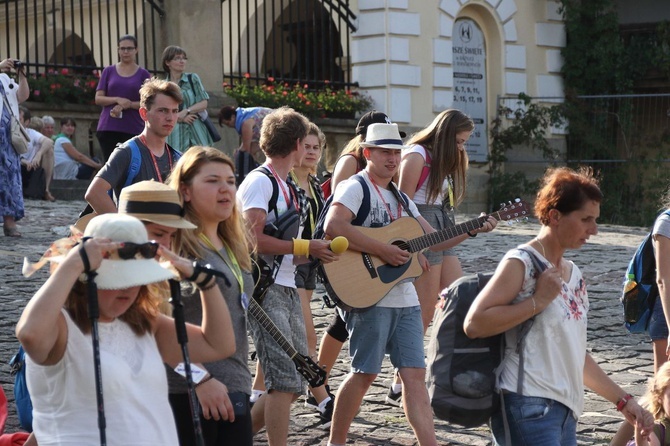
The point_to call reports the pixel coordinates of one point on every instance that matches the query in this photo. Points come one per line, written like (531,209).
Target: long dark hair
(439,138)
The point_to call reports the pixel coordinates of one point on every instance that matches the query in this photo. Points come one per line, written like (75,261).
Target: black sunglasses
(129,250)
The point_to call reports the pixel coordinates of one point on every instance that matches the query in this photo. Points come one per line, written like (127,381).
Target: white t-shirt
(34,144)
(555,347)
(350,194)
(422,192)
(65,168)
(255,192)
(134,383)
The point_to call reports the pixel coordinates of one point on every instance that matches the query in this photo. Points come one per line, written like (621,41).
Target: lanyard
(233,265)
(388,208)
(312,212)
(283,190)
(450,190)
(153,158)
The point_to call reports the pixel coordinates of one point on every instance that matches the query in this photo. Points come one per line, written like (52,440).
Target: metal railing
(293,41)
(80,35)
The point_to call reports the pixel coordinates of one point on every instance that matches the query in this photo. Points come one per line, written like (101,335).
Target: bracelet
(208,287)
(471,234)
(623,401)
(300,247)
(534,307)
(203,381)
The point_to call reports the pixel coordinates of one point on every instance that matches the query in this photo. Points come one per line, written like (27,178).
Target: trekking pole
(182,338)
(94,314)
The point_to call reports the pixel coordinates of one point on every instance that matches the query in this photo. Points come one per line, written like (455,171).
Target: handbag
(209,125)
(20,138)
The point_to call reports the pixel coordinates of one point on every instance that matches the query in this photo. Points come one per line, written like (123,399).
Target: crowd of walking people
(237,241)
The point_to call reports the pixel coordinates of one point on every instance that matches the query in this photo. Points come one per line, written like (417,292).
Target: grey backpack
(462,373)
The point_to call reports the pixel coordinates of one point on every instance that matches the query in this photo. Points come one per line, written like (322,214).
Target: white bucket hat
(116,274)
(154,202)
(385,136)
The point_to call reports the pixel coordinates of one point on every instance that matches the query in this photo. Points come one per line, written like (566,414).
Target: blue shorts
(439,219)
(535,421)
(658,327)
(373,333)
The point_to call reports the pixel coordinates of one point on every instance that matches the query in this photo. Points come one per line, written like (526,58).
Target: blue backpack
(639,289)
(24,406)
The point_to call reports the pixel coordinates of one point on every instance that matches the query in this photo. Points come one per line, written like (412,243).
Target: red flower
(326,81)
(285,93)
(247,75)
(64,71)
(271,79)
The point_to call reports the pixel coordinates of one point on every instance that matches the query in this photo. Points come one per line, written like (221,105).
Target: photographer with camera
(11,195)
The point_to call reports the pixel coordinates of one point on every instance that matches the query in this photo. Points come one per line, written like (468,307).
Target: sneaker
(394,399)
(326,415)
(311,402)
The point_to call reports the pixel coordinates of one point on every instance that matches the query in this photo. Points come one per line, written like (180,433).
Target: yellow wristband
(300,247)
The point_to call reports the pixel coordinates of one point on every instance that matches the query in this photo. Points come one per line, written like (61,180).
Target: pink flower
(271,79)
(247,75)
(64,71)
(36,92)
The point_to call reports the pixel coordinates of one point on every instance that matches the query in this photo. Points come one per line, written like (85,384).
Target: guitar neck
(427,240)
(261,316)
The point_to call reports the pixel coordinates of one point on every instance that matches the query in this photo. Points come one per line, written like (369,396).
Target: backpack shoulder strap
(425,171)
(272,204)
(190,81)
(135,162)
(364,210)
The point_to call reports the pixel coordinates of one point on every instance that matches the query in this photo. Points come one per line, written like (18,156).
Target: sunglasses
(129,250)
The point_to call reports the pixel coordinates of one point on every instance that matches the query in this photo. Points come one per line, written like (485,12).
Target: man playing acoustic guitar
(393,325)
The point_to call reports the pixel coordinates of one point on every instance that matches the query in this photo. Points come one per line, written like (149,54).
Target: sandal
(11,232)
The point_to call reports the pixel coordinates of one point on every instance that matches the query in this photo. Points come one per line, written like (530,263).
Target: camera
(18,64)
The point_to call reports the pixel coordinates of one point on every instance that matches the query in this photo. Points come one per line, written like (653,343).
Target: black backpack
(462,373)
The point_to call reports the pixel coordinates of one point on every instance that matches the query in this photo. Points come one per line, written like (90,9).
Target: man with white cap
(394,324)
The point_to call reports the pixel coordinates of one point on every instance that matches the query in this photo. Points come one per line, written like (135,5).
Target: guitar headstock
(310,370)
(513,211)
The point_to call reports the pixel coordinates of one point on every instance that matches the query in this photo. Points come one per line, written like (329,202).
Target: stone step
(69,190)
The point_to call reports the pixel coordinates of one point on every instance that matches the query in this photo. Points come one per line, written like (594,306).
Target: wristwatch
(188,111)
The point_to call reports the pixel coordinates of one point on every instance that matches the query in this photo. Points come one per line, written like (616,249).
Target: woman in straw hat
(205,178)
(135,339)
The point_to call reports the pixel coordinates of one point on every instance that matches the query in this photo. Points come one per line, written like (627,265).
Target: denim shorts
(535,421)
(305,276)
(658,327)
(373,333)
(282,305)
(439,219)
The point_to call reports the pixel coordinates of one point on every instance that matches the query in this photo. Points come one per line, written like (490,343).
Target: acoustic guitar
(359,280)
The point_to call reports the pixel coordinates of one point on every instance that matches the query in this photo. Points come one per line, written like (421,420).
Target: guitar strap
(402,198)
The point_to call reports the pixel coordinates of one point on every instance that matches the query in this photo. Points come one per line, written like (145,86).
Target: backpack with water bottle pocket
(639,289)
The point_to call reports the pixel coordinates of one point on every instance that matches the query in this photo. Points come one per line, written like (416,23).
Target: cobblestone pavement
(603,260)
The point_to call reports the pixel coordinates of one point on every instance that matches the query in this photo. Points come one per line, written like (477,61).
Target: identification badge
(244,300)
(196,372)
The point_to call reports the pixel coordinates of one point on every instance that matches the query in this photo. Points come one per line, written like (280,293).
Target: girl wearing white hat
(135,339)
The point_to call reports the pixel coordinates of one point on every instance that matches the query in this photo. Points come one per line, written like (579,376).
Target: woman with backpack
(556,364)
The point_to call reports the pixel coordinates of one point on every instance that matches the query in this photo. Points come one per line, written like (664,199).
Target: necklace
(544,254)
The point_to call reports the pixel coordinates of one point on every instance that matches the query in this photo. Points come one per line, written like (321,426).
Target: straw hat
(154,202)
(383,135)
(115,274)
(373,117)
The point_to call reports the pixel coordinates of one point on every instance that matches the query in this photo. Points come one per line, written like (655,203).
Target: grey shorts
(439,219)
(305,276)
(282,305)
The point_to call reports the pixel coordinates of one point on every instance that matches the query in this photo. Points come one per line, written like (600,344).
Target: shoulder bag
(20,138)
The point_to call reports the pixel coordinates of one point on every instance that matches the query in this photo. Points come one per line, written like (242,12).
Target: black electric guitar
(359,280)
(310,370)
